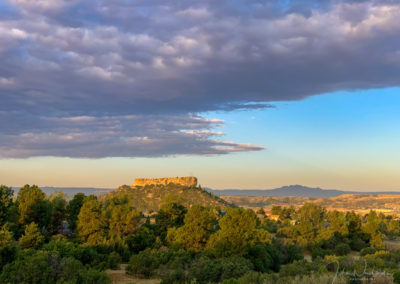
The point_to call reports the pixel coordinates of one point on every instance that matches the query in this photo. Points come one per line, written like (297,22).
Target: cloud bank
(131,78)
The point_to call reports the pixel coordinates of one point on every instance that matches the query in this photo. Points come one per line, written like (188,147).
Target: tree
(124,221)
(73,209)
(6,202)
(91,223)
(32,238)
(276,210)
(393,228)
(310,220)
(33,206)
(336,225)
(6,237)
(195,233)
(58,204)
(170,215)
(371,227)
(265,257)
(238,230)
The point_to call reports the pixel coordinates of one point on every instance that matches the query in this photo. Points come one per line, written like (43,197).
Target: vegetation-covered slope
(150,197)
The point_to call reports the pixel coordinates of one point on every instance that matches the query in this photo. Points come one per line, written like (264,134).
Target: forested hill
(151,197)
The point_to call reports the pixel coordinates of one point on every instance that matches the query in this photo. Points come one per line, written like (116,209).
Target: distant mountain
(293,190)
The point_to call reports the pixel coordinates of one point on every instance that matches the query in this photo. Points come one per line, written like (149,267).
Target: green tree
(6,202)
(276,210)
(393,228)
(32,238)
(58,204)
(371,227)
(336,224)
(91,223)
(6,237)
(144,238)
(238,230)
(73,208)
(170,215)
(194,234)
(124,221)
(33,206)
(310,220)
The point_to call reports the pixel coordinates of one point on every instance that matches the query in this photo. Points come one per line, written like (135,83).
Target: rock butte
(185,181)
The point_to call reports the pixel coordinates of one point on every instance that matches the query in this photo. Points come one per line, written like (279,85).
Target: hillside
(150,197)
(345,202)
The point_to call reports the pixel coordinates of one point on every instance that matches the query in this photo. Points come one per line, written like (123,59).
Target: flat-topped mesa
(185,181)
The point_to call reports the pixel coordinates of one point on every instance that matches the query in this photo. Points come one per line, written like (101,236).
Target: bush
(205,270)
(114,260)
(93,276)
(291,253)
(367,250)
(230,281)
(253,278)
(44,267)
(235,267)
(177,276)
(342,249)
(319,253)
(265,258)
(143,264)
(293,269)
(357,244)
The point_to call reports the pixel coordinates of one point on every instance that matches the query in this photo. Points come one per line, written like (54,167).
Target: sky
(254,94)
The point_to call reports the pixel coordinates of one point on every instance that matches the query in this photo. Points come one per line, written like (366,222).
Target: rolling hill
(150,197)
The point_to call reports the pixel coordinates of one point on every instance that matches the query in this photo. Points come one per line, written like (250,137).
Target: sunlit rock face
(185,181)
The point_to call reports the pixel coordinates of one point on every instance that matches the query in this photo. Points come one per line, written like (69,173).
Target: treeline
(47,239)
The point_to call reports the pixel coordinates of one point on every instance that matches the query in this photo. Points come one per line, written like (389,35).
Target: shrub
(235,267)
(319,253)
(265,258)
(357,244)
(205,270)
(253,278)
(293,269)
(367,250)
(230,281)
(44,267)
(114,260)
(143,264)
(176,276)
(342,249)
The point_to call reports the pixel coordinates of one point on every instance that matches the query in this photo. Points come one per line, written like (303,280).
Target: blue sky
(254,94)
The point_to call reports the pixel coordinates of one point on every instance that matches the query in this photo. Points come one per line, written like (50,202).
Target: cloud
(113,59)
(112,136)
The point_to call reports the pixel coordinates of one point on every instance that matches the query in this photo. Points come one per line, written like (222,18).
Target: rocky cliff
(184,181)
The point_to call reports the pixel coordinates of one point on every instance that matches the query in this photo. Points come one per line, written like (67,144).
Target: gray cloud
(165,61)
(112,136)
